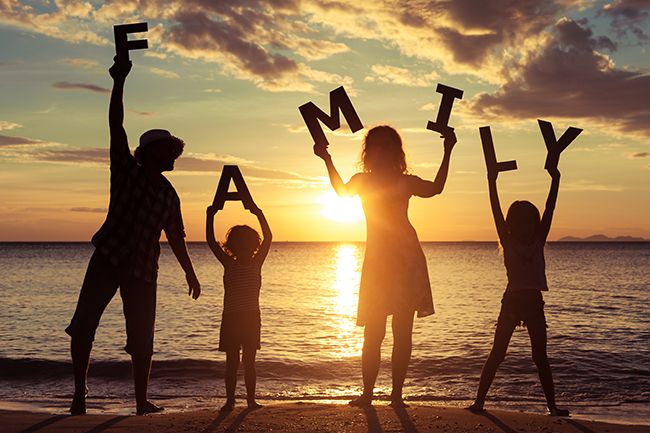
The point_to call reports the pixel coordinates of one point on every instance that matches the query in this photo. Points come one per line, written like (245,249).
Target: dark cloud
(196,32)
(93,156)
(99,156)
(8,140)
(215,165)
(471,49)
(576,34)
(641,155)
(142,113)
(481,26)
(628,16)
(89,209)
(64,85)
(570,78)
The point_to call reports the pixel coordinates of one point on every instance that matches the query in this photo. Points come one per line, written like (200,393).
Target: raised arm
(545,226)
(267,236)
(119,142)
(425,188)
(341,188)
(216,248)
(497,213)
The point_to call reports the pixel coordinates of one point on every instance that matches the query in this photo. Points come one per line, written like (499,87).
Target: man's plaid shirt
(137,212)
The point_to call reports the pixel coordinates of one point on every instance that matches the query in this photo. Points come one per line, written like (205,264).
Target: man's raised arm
(119,142)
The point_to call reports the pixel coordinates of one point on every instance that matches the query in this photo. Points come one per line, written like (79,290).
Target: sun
(340,209)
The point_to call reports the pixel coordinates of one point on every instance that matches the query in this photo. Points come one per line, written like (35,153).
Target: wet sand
(301,417)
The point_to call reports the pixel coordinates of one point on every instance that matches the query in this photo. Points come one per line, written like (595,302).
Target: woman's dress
(394,277)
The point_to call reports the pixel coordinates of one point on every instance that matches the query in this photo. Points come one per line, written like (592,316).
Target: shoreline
(308,417)
(17,414)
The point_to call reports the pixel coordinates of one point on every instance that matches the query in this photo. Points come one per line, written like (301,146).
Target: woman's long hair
(387,141)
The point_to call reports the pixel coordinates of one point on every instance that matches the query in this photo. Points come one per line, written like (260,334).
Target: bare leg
(232,365)
(497,354)
(373,335)
(80,353)
(402,325)
(141,370)
(250,377)
(538,340)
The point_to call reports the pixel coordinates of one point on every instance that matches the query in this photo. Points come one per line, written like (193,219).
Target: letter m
(339,103)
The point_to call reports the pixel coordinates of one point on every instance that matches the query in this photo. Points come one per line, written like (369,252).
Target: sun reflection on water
(348,337)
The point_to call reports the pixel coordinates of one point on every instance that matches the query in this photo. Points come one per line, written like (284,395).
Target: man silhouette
(142,204)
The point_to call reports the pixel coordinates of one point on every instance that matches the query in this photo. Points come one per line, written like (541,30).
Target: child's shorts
(525,307)
(240,330)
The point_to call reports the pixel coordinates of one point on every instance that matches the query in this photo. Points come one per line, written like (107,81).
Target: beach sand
(301,417)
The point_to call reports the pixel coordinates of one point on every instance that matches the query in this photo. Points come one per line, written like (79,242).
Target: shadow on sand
(405,420)
(497,422)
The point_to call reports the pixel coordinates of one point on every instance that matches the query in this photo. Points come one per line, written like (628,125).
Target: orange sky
(229,81)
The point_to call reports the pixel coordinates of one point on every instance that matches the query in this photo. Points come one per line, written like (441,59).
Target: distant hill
(602,238)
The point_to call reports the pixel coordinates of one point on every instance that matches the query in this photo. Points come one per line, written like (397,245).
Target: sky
(228,78)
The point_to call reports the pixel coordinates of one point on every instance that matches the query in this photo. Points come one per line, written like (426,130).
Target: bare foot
(228,407)
(558,412)
(78,406)
(476,408)
(254,405)
(397,402)
(362,401)
(148,407)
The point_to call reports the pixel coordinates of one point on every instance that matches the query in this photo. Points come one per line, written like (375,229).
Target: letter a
(339,103)
(241,192)
(123,44)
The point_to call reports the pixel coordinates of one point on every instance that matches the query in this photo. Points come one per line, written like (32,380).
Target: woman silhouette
(394,278)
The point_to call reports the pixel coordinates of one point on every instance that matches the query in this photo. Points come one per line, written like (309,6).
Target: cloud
(163,73)
(275,43)
(7,140)
(462,36)
(628,17)
(6,126)
(212,90)
(570,78)
(246,42)
(194,163)
(142,113)
(400,76)
(69,20)
(90,156)
(89,209)
(83,63)
(641,155)
(64,85)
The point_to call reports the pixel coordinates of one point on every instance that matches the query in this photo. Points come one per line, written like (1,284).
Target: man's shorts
(522,307)
(240,330)
(138,303)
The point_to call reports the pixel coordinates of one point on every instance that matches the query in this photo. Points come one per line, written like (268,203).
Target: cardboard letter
(555,147)
(123,44)
(339,103)
(490,155)
(241,194)
(448,96)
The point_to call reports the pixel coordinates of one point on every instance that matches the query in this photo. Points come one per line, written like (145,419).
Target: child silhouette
(242,256)
(394,278)
(522,235)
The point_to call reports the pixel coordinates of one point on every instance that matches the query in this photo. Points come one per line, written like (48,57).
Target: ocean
(596,309)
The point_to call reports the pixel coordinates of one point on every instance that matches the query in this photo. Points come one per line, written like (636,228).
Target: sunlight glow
(346,284)
(340,209)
